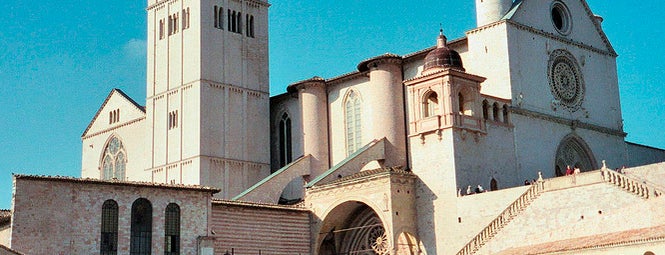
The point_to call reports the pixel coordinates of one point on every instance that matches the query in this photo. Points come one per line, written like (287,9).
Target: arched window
(495,112)
(239,28)
(109,237)
(216,12)
(141,230)
(251,26)
(486,110)
(228,20)
(114,160)
(172,230)
(460,102)
(234,24)
(505,114)
(353,115)
(431,106)
(285,149)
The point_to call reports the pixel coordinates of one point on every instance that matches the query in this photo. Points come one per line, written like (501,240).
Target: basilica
(466,147)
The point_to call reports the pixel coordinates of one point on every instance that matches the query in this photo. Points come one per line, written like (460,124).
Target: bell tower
(488,11)
(207,105)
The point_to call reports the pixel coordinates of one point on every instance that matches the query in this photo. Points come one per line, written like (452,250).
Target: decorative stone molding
(567,122)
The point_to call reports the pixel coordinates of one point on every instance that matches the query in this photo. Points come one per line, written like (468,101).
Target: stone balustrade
(628,184)
(504,218)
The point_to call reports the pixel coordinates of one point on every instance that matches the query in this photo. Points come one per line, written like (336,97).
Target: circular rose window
(561,17)
(566,81)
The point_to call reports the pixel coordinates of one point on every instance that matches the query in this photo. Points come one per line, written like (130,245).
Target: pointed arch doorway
(573,152)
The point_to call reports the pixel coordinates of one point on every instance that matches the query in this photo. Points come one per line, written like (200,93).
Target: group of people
(470,191)
(571,171)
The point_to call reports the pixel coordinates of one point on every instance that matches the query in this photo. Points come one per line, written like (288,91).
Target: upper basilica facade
(517,95)
(389,146)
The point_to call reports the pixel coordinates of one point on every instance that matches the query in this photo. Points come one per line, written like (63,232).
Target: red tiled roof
(119,183)
(635,236)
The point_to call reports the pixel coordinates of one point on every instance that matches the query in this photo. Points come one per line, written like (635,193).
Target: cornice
(555,37)
(112,128)
(567,122)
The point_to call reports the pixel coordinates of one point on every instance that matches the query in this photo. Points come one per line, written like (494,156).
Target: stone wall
(639,155)
(247,228)
(63,215)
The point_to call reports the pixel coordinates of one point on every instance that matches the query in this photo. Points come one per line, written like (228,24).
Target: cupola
(443,57)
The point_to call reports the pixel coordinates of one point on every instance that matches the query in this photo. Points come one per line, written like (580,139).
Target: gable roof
(7,250)
(125,96)
(518,4)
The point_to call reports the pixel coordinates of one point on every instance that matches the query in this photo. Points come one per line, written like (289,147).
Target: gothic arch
(353,227)
(573,152)
(113,160)
(466,101)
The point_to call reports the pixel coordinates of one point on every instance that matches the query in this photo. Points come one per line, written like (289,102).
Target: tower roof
(442,56)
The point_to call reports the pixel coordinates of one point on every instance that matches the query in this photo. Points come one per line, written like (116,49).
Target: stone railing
(504,218)
(628,184)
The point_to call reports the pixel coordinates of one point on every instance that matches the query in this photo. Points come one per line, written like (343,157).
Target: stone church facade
(387,159)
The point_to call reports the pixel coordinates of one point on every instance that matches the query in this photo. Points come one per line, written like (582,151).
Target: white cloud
(135,49)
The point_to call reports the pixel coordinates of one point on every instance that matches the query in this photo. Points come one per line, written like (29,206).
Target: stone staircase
(622,181)
(503,219)
(641,189)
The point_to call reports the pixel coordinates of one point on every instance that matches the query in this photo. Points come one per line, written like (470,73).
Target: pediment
(117,109)
(582,26)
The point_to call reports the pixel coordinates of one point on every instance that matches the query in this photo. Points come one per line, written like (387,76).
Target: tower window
(185,18)
(173,120)
(228,20)
(172,230)
(239,21)
(161,29)
(234,24)
(219,15)
(114,160)
(505,114)
(141,228)
(431,104)
(109,236)
(285,148)
(251,26)
(353,117)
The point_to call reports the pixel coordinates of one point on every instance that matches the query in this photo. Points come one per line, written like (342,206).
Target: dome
(443,57)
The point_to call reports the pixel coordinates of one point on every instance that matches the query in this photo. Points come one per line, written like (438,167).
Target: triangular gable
(120,100)
(531,13)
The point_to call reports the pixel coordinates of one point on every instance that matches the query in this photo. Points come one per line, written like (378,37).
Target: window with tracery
(114,160)
(285,145)
(352,121)
(141,229)
(109,236)
(431,106)
(172,230)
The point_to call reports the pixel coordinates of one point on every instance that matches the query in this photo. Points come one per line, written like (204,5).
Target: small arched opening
(430,104)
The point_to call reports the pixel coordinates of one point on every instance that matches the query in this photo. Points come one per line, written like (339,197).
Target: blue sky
(60,59)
